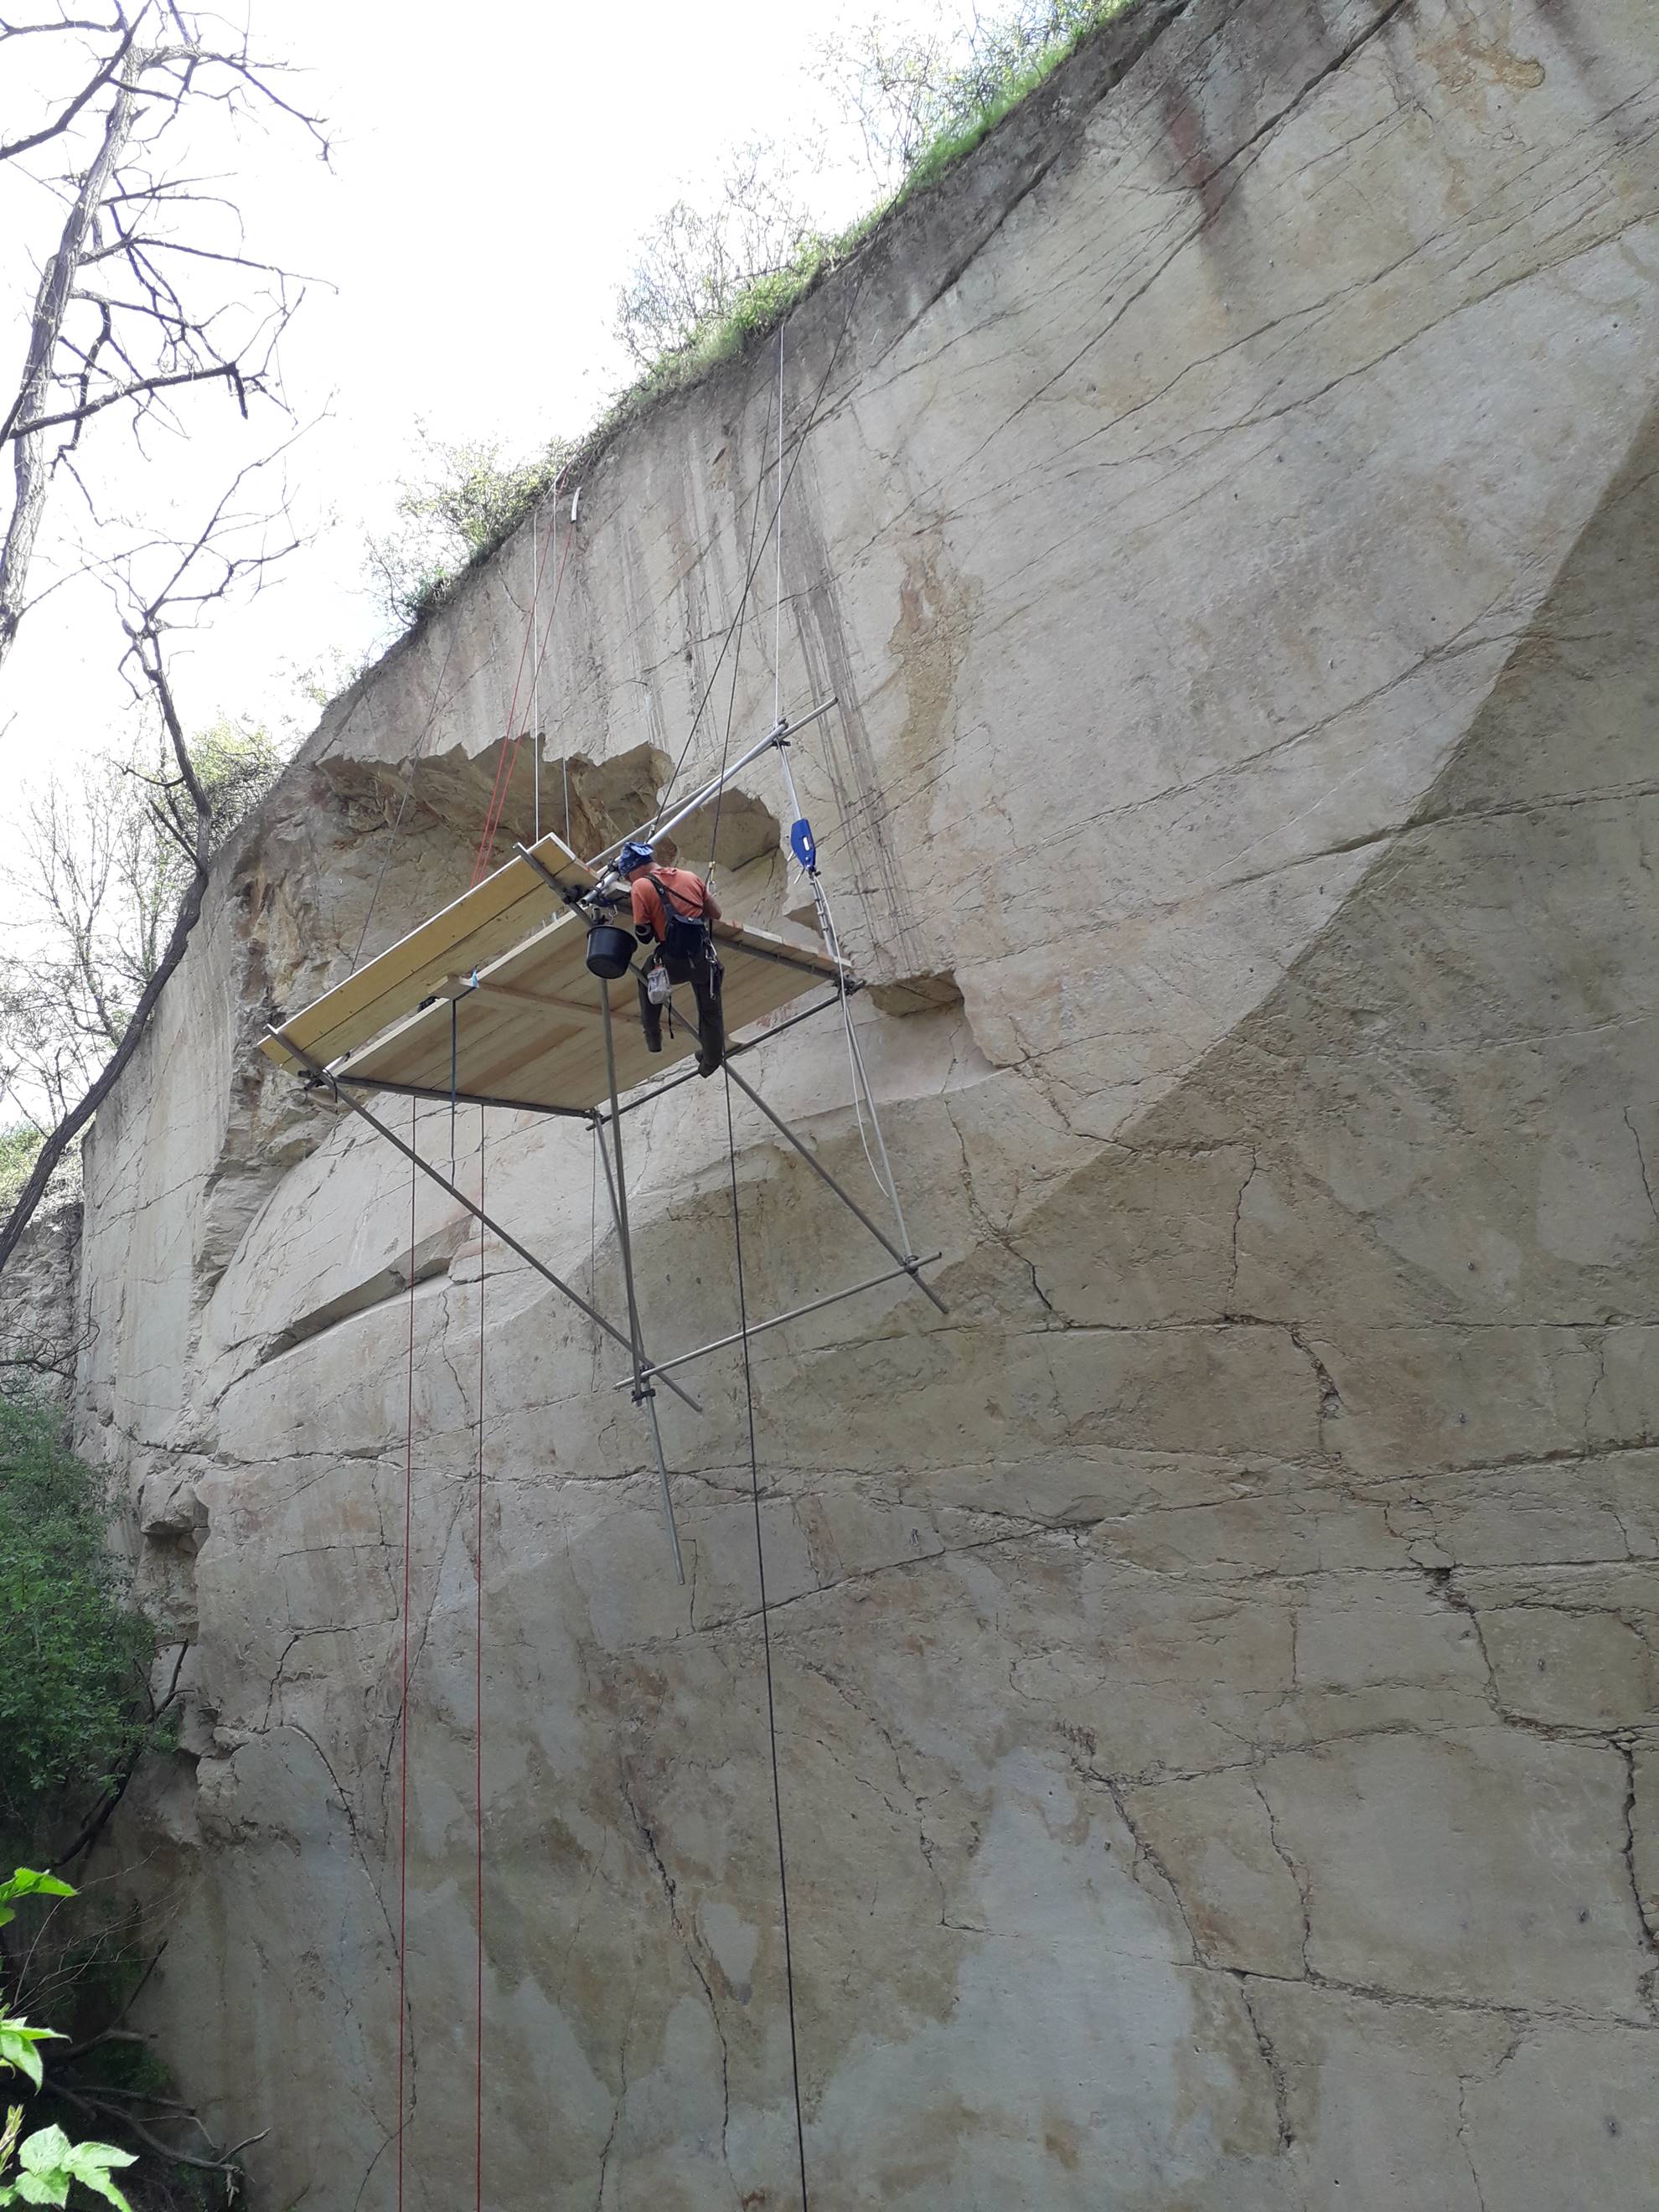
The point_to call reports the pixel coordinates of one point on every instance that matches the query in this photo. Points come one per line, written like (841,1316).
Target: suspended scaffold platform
(503,998)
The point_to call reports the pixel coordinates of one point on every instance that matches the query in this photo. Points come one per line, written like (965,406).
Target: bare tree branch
(12,148)
(225,369)
(193,575)
(100,2105)
(188,309)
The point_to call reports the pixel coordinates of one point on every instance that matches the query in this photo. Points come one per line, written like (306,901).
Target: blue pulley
(802,845)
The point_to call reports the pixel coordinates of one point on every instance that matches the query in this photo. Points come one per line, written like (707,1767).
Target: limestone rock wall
(1214,1666)
(40,1327)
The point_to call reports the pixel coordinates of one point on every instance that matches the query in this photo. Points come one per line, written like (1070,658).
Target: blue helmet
(633,854)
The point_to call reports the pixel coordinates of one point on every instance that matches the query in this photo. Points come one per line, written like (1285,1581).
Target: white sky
(493,166)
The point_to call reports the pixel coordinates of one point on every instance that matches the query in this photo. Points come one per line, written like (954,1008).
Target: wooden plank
(530,1030)
(742,938)
(550,1002)
(547,1060)
(478,928)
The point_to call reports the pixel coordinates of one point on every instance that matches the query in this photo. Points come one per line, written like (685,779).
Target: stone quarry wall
(40,1323)
(1215,1667)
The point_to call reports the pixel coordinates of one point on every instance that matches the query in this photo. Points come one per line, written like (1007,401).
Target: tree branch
(227,369)
(12,148)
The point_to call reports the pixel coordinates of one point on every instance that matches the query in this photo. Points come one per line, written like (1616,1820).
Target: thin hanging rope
(536,675)
(406,765)
(500,791)
(753,570)
(754,1482)
(777,572)
(402,1710)
(593,1226)
(509,747)
(766,1646)
(737,658)
(477,1702)
(500,788)
(454,1070)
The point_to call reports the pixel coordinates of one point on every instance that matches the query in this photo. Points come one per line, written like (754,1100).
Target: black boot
(711,1015)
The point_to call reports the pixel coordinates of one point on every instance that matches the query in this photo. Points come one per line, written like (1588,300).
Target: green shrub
(1012,56)
(469,500)
(466,501)
(18,1146)
(44,2166)
(73,1655)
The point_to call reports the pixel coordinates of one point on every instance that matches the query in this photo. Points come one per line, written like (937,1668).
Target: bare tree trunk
(146,641)
(31,462)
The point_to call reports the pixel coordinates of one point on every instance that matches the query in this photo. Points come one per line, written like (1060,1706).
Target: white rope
(882,1175)
(777,588)
(536,675)
(593,1227)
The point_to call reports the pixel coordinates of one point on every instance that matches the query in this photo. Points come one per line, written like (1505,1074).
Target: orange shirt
(692,899)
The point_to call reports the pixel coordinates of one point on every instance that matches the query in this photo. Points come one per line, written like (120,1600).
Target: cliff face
(1214,1667)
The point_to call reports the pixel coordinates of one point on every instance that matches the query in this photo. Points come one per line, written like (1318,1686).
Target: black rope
(766,1645)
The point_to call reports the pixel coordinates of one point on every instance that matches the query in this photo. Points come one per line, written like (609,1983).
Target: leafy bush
(709,280)
(695,262)
(466,501)
(48,2164)
(73,1656)
(921,102)
(18,1146)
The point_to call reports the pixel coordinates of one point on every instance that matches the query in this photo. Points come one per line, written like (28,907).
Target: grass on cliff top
(758,310)
(761,306)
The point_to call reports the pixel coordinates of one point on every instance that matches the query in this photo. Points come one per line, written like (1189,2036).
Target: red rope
(403,1713)
(499,789)
(478,1698)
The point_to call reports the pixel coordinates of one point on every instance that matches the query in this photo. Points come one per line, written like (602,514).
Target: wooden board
(485,922)
(530,1030)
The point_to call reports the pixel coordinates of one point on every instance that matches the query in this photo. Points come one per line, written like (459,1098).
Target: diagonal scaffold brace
(321,1078)
(906,1263)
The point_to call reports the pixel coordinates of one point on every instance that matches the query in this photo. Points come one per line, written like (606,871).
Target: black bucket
(610,951)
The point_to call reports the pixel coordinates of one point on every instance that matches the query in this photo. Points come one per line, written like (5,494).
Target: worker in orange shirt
(672,911)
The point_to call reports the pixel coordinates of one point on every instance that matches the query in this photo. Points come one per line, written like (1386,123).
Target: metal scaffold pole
(471,1207)
(644,1392)
(908,1261)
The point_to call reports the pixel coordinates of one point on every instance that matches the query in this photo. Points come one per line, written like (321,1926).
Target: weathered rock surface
(1214,1667)
(40,1325)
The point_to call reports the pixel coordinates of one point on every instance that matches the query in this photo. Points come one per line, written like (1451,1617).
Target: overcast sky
(492,166)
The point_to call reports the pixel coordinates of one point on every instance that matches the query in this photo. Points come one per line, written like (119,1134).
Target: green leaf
(43,2188)
(17,2042)
(25,1882)
(45,2148)
(105,2187)
(88,2163)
